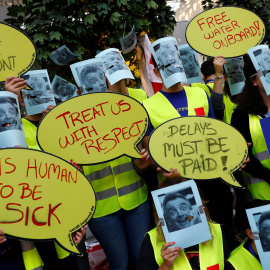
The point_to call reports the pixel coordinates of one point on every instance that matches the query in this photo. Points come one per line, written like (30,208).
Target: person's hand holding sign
(219,62)
(15,85)
(78,236)
(2,237)
(169,255)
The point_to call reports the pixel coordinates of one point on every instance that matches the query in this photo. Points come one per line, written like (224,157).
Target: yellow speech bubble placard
(94,128)
(17,52)
(199,148)
(43,197)
(226,31)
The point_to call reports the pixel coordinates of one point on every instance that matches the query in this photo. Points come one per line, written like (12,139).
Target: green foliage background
(259,7)
(86,26)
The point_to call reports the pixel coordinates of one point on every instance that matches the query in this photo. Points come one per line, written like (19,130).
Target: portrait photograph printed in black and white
(90,75)
(11,130)
(41,96)
(262,221)
(10,118)
(263,59)
(189,61)
(180,209)
(234,68)
(180,212)
(129,41)
(260,57)
(62,89)
(62,56)
(167,57)
(115,66)
(113,62)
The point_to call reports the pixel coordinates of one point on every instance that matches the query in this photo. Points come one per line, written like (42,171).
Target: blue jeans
(121,234)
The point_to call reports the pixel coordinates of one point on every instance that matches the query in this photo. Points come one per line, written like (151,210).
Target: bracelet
(217,77)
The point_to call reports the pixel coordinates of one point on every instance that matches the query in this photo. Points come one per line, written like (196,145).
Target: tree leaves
(86,26)
(39,37)
(115,17)
(55,35)
(90,18)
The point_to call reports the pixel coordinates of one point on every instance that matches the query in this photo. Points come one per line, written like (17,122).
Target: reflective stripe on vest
(161,110)
(30,131)
(210,252)
(242,259)
(31,258)
(116,183)
(258,187)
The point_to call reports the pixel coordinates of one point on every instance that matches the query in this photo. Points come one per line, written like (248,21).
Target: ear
(156,72)
(225,77)
(249,234)
(78,92)
(254,80)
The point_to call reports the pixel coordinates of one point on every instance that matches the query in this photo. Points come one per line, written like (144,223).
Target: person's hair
(251,101)
(170,181)
(208,68)
(86,70)
(241,219)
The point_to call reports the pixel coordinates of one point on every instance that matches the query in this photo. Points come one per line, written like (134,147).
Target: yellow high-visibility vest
(30,131)
(242,259)
(116,183)
(229,105)
(259,188)
(210,252)
(161,110)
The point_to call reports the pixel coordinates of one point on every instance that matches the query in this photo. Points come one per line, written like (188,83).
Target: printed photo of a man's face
(169,59)
(113,62)
(93,78)
(189,63)
(264,230)
(9,114)
(179,211)
(235,70)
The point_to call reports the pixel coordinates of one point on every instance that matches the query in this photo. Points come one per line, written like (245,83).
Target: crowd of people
(125,221)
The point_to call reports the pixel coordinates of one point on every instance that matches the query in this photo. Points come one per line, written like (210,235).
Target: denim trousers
(121,234)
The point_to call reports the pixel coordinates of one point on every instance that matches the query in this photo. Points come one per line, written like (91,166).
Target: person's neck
(266,99)
(254,247)
(173,89)
(34,117)
(119,87)
(210,79)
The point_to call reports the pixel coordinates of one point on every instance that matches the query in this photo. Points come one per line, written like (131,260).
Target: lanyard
(251,250)
(211,80)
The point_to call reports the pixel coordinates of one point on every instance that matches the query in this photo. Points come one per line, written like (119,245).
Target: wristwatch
(217,77)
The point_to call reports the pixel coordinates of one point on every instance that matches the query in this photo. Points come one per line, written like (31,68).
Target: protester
(122,215)
(245,257)
(52,255)
(156,254)
(254,105)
